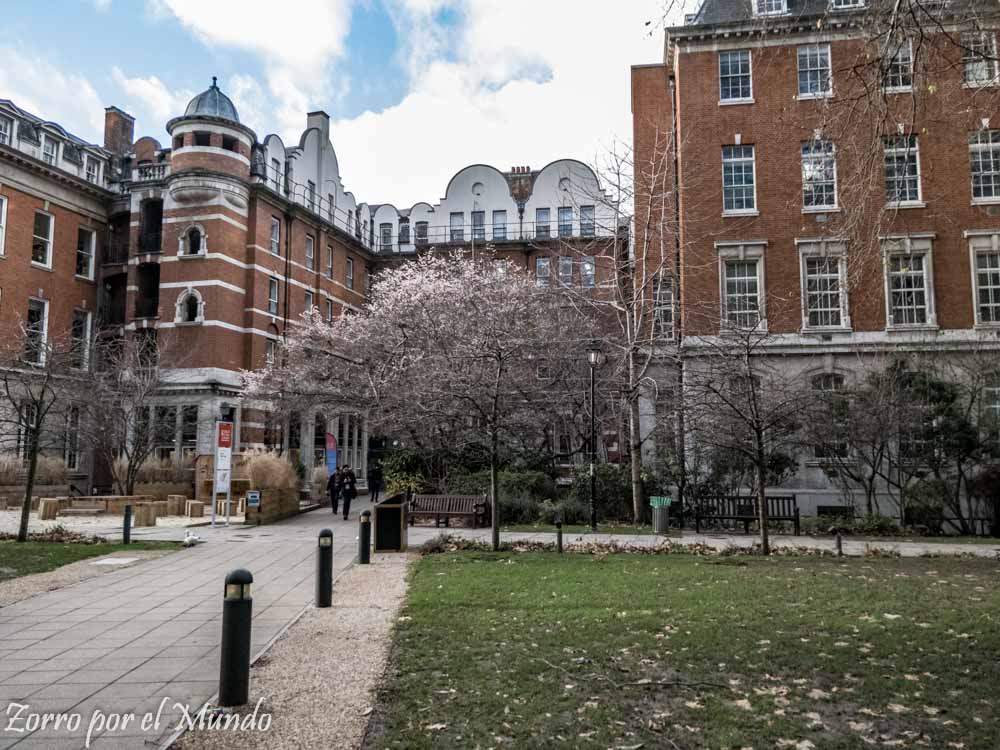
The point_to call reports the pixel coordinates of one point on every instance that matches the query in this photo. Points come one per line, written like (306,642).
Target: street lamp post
(594,357)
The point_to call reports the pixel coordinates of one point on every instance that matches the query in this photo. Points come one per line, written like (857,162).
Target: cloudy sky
(416,88)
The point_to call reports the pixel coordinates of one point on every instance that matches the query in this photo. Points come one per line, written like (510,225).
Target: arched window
(190,307)
(193,241)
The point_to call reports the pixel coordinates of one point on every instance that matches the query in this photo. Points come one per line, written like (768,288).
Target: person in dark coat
(374,482)
(333,488)
(350,489)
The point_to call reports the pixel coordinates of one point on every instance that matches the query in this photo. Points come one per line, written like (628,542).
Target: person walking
(350,489)
(333,488)
(374,483)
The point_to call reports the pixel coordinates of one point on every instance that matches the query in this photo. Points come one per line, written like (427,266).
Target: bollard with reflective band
(127,526)
(365,538)
(559,536)
(324,569)
(237,613)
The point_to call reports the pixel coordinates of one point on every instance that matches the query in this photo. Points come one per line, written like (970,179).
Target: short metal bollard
(237,612)
(559,536)
(840,545)
(324,569)
(127,526)
(365,538)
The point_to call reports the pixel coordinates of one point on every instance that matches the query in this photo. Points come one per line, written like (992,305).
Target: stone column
(364,450)
(355,462)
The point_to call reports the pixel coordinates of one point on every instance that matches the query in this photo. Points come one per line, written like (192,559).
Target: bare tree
(449,349)
(40,378)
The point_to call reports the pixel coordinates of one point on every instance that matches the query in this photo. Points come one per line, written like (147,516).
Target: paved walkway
(126,640)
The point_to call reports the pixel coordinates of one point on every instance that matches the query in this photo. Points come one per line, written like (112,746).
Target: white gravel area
(22,587)
(318,681)
(11,519)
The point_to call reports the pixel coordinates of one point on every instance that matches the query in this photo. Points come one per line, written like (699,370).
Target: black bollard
(365,538)
(840,545)
(237,611)
(324,569)
(559,536)
(127,527)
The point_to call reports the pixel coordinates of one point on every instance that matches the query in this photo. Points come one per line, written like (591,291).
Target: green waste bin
(661,513)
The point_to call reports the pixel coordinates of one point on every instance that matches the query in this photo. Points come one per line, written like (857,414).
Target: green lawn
(628,651)
(583,529)
(38,557)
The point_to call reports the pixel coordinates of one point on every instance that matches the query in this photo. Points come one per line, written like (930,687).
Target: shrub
(925,505)
(49,470)
(519,509)
(534,484)
(569,510)
(269,471)
(319,479)
(11,470)
(155,471)
(399,483)
(614,490)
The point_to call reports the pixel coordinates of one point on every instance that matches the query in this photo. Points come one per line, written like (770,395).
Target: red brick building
(220,241)
(837,185)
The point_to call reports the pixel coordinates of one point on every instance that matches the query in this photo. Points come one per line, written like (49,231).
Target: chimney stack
(119,130)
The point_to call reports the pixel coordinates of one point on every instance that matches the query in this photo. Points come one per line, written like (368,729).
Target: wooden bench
(445,507)
(744,510)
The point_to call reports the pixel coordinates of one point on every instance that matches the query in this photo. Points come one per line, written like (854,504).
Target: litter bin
(390,524)
(661,513)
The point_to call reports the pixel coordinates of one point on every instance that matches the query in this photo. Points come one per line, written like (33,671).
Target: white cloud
(102,5)
(151,101)
(528,81)
(46,91)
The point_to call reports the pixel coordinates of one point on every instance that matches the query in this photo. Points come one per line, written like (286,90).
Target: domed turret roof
(212,103)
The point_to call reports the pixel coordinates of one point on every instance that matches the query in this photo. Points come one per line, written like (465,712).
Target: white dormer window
(770,7)
(93,169)
(846,4)
(6,130)
(50,150)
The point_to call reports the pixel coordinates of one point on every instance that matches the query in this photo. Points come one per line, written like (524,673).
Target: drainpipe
(678,327)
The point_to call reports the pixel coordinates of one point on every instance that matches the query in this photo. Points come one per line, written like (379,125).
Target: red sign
(331,442)
(225,434)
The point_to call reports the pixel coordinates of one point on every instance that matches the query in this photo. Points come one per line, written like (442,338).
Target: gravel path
(22,587)
(318,680)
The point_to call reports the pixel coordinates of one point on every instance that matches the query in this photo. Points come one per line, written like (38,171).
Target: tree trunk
(495,504)
(29,485)
(635,454)
(765,541)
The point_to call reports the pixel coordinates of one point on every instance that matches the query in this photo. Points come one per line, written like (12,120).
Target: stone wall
(274,506)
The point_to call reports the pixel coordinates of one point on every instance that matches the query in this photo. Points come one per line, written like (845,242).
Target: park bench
(743,510)
(445,507)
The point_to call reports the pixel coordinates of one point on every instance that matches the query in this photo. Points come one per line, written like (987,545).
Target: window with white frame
(329,311)
(500,268)
(385,237)
(309,302)
(50,149)
(349,281)
(41,240)
(909,282)
(542,219)
(71,441)
(770,7)
(824,297)
(902,169)
(542,272)
(3,222)
(456,224)
(565,270)
(586,221)
(310,253)
(587,271)
(478,226)
(329,261)
(984,162)
(272,296)
(565,218)
(735,77)
(897,74)
(93,169)
(739,192)
(276,174)
(819,175)
(499,225)
(80,339)
(979,58)
(269,349)
(36,331)
(86,240)
(6,130)
(814,70)
(311,195)
(846,4)
(275,235)
(663,306)
(742,292)
(985,251)
(404,231)
(829,386)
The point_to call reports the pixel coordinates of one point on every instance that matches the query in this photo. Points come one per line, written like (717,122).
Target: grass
(38,557)
(583,529)
(628,651)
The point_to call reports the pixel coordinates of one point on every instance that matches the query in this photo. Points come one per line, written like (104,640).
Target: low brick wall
(274,506)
